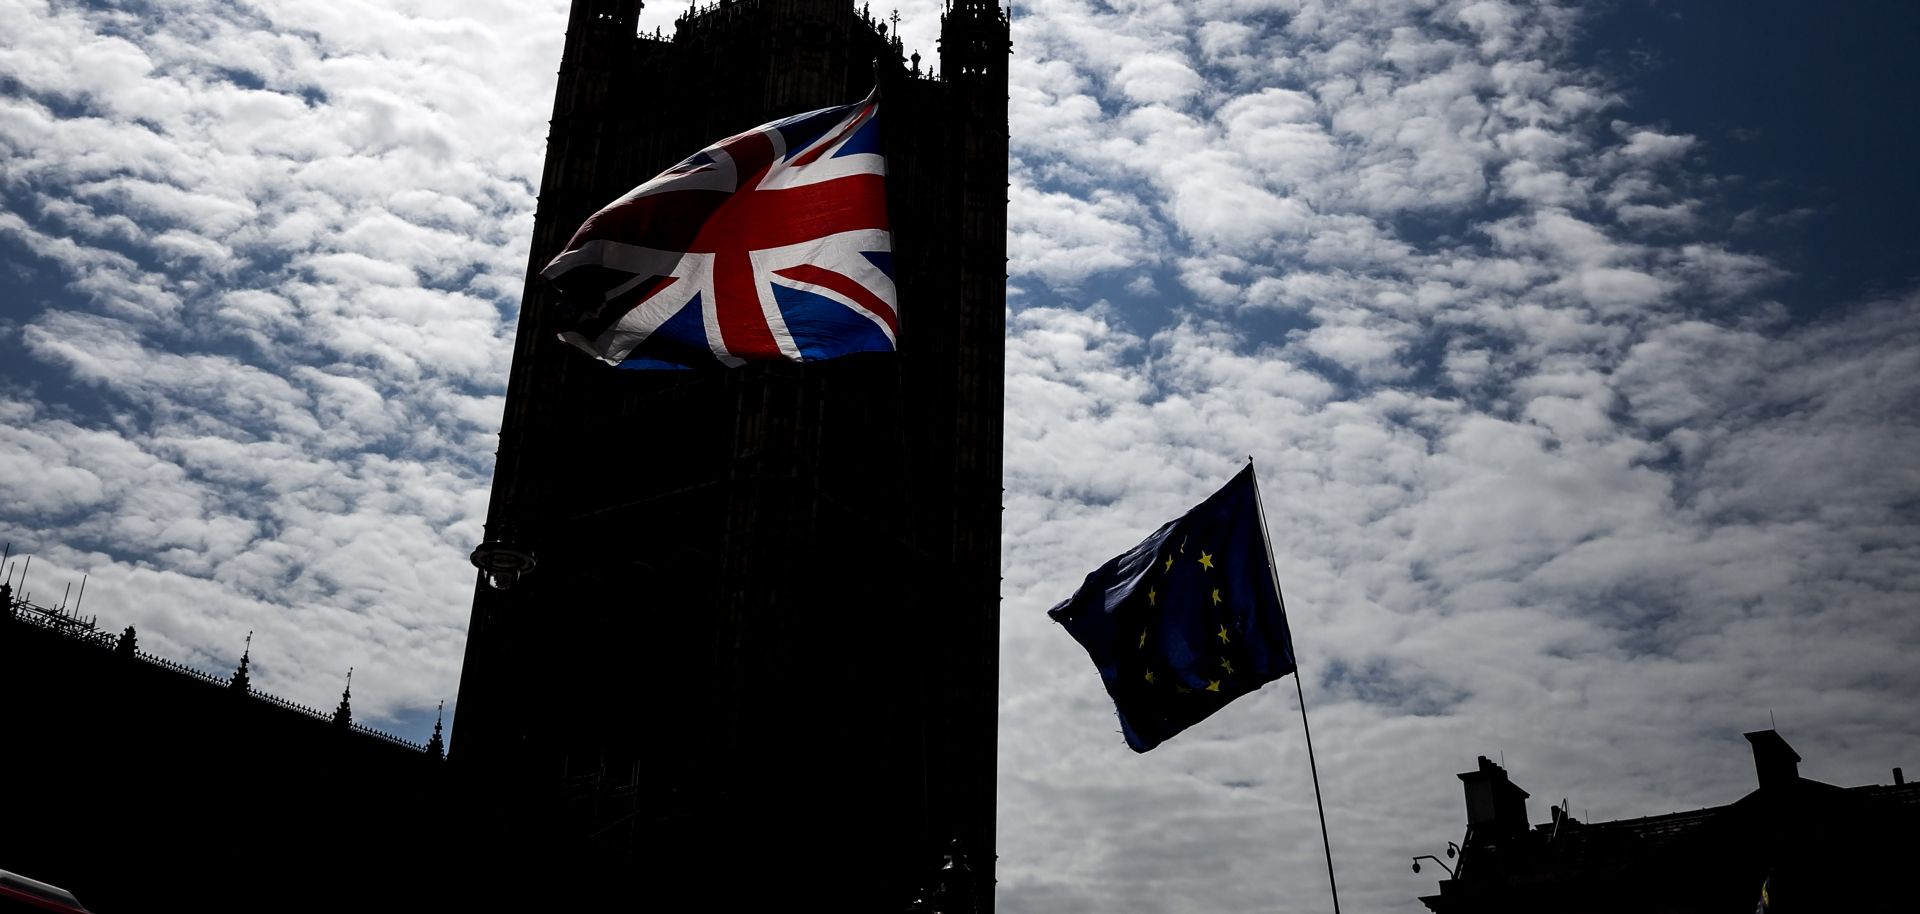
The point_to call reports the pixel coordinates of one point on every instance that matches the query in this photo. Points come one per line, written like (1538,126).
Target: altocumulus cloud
(267,258)
(1549,472)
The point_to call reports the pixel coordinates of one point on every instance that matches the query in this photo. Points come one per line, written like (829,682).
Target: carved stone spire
(343,715)
(436,746)
(241,682)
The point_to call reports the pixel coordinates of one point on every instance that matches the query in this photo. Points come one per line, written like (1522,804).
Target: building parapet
(85,631)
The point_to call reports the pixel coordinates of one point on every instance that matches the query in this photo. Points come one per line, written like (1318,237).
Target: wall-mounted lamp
(503,562)
(1437,860)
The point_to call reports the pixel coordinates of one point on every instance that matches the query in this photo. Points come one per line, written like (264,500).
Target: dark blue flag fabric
(1188,620)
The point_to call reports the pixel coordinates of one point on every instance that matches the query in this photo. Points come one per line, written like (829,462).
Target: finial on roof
(343,715)
(242,682)
(436,746)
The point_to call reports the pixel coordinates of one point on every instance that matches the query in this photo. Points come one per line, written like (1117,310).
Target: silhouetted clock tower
(754,654)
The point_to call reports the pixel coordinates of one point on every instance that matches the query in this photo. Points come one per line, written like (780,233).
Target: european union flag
(1188,620)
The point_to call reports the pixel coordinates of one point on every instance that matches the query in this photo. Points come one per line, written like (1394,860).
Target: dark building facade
(1792,845)
(141,784)
(760,638)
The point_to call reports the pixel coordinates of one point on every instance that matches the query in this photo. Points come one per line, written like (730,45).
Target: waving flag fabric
(771,244)
(1187,621)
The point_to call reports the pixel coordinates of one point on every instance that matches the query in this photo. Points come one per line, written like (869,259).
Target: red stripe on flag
(839,282)
(736,307)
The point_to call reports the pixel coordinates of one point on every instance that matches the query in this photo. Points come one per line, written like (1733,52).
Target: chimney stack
(1494,803)
(1774,761)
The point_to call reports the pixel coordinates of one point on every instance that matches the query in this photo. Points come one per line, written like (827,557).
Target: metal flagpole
(1315,768)
(1312,765)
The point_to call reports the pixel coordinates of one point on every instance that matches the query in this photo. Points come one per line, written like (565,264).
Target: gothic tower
(750,626)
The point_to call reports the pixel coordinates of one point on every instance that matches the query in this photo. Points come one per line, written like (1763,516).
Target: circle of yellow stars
(1153,599)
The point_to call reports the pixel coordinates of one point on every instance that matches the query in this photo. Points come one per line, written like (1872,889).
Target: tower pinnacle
(436,746)
(241,682)
(343,715)
(974,39)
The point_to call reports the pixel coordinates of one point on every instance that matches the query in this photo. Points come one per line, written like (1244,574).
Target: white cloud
(1065,239)
(1647,144)
(1156,79)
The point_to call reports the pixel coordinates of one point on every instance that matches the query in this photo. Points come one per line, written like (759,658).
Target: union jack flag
(770,244)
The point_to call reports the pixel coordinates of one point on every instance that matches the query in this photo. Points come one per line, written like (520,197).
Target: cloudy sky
(1575,346)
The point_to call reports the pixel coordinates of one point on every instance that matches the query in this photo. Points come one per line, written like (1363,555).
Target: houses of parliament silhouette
(735,646)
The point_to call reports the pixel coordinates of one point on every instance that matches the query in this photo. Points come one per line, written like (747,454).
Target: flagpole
(1313,766)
